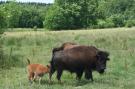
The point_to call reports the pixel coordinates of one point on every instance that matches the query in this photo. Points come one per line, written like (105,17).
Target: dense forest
(68,14)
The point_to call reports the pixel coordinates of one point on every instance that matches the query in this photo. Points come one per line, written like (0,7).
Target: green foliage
(68,14)
(118,20)
(117,6)
(59,18)
(13,11)
(108,23)
(130,23)
(71,14)
(2,26)
(23,15)
(89,13)
(29,19)
(1,56)
(118,11)
(2,20)
(53,18)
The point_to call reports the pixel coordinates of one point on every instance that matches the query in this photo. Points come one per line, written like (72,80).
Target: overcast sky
(43,1)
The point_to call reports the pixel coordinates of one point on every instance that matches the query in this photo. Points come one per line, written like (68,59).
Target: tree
(30,18)
(119,11)
(63,18)
(13,11)
(2,21)
(71,14)
(2,26)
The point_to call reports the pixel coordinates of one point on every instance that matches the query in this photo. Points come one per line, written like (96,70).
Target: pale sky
(43,1)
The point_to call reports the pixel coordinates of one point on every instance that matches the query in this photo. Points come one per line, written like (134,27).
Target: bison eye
(103,61)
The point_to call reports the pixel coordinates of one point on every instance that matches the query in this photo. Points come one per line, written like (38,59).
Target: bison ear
(103,53)
(107,53)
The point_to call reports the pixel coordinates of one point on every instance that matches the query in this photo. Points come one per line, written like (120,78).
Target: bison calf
(36,71)
(77,60)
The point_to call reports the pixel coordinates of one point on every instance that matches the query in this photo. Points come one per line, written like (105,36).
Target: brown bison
(77,60)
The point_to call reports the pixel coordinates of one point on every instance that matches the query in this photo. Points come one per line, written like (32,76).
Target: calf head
(48,68)
(102,58)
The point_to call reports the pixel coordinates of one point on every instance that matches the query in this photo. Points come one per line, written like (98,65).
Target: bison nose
(101,71)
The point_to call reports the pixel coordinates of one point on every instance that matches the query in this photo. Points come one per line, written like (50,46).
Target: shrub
(35,28)
(30,18)
(130,23)
(63,18)
(101,23)
(2,26)
(118,20)
(2,21)
(104,23)
(1,57)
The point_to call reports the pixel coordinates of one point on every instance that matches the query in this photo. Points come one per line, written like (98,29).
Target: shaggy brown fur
(65,46)
(78,59)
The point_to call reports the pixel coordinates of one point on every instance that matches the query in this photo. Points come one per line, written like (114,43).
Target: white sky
(43,1)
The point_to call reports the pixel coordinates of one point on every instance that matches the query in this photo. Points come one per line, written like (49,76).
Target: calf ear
(48,66)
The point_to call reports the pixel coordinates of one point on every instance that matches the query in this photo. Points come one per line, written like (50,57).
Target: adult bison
(78,59)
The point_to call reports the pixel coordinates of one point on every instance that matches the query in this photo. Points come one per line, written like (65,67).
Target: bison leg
(59,73)
(91,75)
(79,75)
(87,74)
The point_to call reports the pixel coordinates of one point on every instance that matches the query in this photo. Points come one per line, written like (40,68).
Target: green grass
(37,46)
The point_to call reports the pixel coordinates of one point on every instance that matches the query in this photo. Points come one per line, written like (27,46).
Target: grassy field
(37,46)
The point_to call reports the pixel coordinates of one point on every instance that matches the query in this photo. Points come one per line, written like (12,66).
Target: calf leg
(39,80)
(35,76)
(31,77)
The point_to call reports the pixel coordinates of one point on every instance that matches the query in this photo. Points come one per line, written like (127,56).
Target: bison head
(102,58)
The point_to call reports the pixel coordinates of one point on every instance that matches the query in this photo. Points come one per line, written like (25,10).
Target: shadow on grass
(107,82)
(83,82)
(74,83)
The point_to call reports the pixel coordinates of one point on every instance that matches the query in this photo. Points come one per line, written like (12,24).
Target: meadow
(19,45)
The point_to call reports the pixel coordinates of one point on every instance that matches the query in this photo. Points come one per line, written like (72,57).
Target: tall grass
(37,46)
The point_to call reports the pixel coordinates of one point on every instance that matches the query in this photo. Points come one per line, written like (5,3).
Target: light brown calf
(36,71)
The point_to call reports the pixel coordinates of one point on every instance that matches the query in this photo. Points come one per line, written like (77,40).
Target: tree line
(68,14)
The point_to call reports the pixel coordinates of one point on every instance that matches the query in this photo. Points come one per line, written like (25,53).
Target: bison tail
(52,63)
